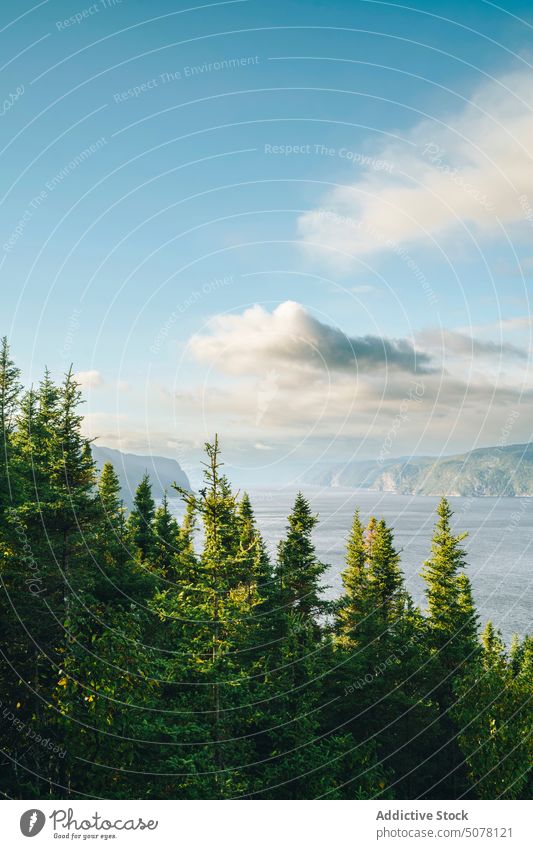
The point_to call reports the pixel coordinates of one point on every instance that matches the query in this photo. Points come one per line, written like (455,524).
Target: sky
(304,226)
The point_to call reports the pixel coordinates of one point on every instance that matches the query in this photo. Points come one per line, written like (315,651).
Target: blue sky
(304,225)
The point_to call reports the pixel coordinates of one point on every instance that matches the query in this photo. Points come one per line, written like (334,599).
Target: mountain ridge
(130,468)
(494,471)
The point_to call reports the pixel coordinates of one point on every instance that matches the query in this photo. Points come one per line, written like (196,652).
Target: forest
(146,658)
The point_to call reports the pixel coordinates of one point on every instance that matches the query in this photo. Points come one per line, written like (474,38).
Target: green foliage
(493,714)
(140,522)
(156,668)
(452,620)
(298,571)
(9,394)
(381,638)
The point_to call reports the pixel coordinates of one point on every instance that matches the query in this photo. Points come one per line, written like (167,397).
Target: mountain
(131,467)
(496,471)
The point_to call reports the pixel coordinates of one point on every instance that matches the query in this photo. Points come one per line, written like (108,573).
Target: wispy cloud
(473,167)
(454,343)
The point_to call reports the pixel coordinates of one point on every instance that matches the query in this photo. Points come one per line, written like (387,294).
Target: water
(499,545)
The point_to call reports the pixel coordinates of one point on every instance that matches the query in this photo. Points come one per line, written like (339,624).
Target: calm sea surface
(499,542)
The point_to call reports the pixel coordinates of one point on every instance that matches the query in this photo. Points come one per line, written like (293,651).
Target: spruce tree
(163,672)
(252,560)
(298,570)
(48,565)
(452,621)
(141,518)
(306,755)
(108,685)
(15,570)
(119,578)
(493,714)
(349,609)
(166,543)
(452,643)
(9,395)
(212,616)
(379,635)
(110,538)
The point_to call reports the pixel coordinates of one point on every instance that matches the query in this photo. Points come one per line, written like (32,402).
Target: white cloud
(283,381)
(256,341)
(89,379)
(473,167)
(292,378)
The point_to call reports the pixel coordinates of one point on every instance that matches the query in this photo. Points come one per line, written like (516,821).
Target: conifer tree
(380,638)
(166,540)
(51,545)
(306,755)
(452,621)
(353,614)
(493,715)
(163,672)
(385,574)
(111,534)
(298,570)
(108,675)
(349,610)
(31,585)
(294,753)
(252,559)
(516,654)
(14,651)
(187,563)
(141,518)
(9,394)
(374,598)
(119,579)
(213,617)
(452,642)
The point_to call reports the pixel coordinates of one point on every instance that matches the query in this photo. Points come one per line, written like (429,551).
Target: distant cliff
(506,471)
(131,467)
